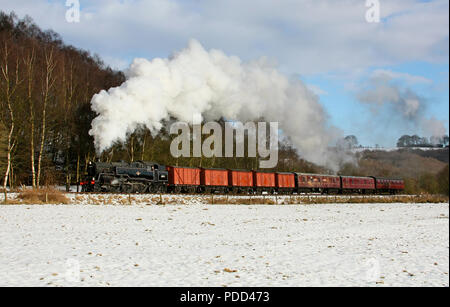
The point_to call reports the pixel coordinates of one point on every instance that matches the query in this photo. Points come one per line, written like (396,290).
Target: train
(150,177)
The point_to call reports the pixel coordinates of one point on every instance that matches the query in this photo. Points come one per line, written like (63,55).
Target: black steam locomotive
(122,177)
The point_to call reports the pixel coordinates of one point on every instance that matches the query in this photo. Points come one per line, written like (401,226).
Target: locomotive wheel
(177,190)
(161,189)
(157,189)
(140,188)
(153,189)
(114,188)
(127,188)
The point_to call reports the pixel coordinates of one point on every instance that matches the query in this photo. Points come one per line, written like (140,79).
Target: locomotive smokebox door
(91,169)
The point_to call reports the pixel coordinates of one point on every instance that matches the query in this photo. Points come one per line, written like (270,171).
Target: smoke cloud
(391,101)
(215,85)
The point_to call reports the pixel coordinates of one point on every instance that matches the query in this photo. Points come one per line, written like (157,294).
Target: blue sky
(353,117)
(366,75)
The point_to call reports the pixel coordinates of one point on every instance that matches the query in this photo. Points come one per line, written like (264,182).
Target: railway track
(246,195)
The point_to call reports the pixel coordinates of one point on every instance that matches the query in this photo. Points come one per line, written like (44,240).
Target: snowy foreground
(225,245)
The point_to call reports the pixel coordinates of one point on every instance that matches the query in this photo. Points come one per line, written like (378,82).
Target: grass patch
(46,195)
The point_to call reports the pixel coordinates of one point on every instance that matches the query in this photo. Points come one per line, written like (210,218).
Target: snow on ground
(361,149)
(225,245)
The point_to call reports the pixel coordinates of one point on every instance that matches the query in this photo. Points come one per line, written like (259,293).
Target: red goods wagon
(285,183)
(238,178)
(318,183)
(285,180)
(240,181)
(264,181)
(183,175)
(359,184)
(183,179)
(214,177)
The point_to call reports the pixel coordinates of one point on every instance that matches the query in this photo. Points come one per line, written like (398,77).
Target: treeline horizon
(418,141)
(46,88)
(45,92)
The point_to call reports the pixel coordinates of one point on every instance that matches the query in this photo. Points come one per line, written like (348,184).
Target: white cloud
(408,78)
(310,36)
(316,89)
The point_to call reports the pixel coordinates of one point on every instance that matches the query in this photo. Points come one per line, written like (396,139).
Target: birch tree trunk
(11,84)
(49,81)
(29,64)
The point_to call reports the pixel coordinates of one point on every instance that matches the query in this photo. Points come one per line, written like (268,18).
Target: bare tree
(11,83)
(29,61)
(48,83)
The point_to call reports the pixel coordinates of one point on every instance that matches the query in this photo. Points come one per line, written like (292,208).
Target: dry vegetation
(396,164)
(42,196)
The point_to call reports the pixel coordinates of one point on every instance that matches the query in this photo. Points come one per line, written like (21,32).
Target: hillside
(401,163)
(423,170)
(438,154)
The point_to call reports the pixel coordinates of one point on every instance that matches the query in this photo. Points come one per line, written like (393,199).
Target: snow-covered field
(361,149)
(225,245)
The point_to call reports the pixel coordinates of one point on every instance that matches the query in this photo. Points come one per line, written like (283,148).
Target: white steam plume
(409,107)
(215,85)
